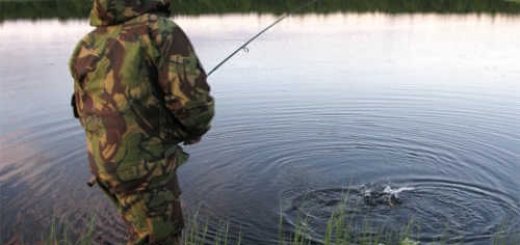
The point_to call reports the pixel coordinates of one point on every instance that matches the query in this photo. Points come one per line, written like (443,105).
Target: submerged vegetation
(78,9)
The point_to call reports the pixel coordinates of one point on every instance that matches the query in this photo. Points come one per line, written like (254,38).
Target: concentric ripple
(440,210)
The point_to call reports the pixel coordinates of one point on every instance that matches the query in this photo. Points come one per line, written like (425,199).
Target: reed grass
(339,230)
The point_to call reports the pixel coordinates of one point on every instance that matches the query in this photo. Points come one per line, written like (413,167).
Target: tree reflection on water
(70,9)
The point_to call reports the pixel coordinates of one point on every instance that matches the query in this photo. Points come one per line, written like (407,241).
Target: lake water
(320,106)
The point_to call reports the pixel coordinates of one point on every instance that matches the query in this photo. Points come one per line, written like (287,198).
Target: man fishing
(140,91)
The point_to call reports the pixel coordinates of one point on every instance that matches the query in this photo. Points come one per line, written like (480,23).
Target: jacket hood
(112,12)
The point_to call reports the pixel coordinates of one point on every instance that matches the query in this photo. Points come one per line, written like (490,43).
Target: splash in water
(374,196)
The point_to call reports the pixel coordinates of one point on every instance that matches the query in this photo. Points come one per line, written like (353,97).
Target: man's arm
(72,61)
(183,82)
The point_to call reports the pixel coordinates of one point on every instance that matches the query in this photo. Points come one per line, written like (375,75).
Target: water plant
(340,229)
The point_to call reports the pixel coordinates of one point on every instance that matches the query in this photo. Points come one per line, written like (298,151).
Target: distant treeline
(66,9)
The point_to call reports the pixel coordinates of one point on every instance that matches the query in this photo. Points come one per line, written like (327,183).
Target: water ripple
(441,209)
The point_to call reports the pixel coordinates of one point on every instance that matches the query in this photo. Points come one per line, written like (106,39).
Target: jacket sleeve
(72,65)
(185,91)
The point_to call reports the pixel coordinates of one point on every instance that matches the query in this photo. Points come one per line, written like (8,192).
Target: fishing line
(244,46)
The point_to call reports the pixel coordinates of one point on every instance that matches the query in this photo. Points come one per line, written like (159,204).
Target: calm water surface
(319,107)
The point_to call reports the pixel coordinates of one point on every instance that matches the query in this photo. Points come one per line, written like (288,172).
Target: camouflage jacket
(139,88)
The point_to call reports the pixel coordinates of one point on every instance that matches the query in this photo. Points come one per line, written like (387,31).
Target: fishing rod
(244,46)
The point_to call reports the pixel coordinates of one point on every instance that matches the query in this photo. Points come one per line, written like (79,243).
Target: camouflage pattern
(154,212)
(139,91)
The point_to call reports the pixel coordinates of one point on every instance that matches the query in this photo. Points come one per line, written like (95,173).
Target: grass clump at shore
(60,234)
(340,230)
